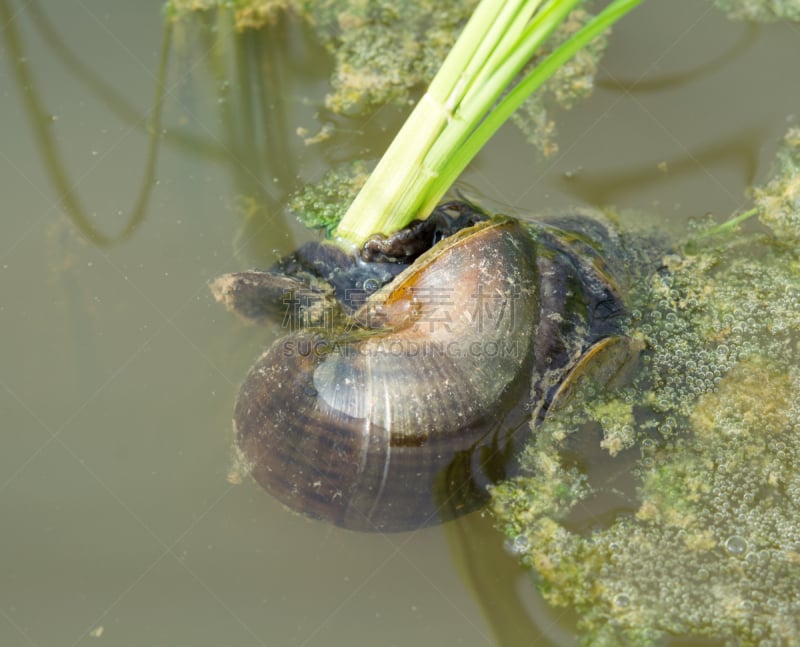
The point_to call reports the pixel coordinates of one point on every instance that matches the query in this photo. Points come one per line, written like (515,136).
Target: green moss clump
(383,50)
(549,490)
(760,10)
(322,205)
(616,418)
(709,545)
(248,14)
(779,199)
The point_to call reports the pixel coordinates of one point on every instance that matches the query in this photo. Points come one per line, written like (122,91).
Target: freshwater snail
(396,400)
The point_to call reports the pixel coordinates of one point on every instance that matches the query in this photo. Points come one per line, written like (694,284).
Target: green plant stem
(376,203)
(532,81)
(463,108)
(729,225)
(451,144)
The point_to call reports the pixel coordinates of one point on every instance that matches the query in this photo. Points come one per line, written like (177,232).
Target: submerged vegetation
(707,543)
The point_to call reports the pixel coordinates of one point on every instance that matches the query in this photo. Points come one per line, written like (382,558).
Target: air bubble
(519,545)
(735,545)
(622,600)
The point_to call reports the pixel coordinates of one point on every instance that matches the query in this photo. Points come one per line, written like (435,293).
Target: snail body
(399,414)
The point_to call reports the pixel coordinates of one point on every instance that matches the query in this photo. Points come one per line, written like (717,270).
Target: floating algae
(381,50)
(321,205)
(760,10)
(709,545)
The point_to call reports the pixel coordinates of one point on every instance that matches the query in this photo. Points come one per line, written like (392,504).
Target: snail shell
(355,427)
(400,416)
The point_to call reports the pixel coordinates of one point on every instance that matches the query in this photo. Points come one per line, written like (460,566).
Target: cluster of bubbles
(708,545)
(713,547)
(711,311)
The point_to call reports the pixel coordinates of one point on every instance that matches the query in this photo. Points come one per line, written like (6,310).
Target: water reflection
(739,149)
(493,577)
(699,70)
(247,71)
(42,123)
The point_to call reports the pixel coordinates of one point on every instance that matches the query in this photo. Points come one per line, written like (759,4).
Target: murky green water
(118,373)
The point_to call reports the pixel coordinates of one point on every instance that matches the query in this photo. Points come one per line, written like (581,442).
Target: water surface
(118,373)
